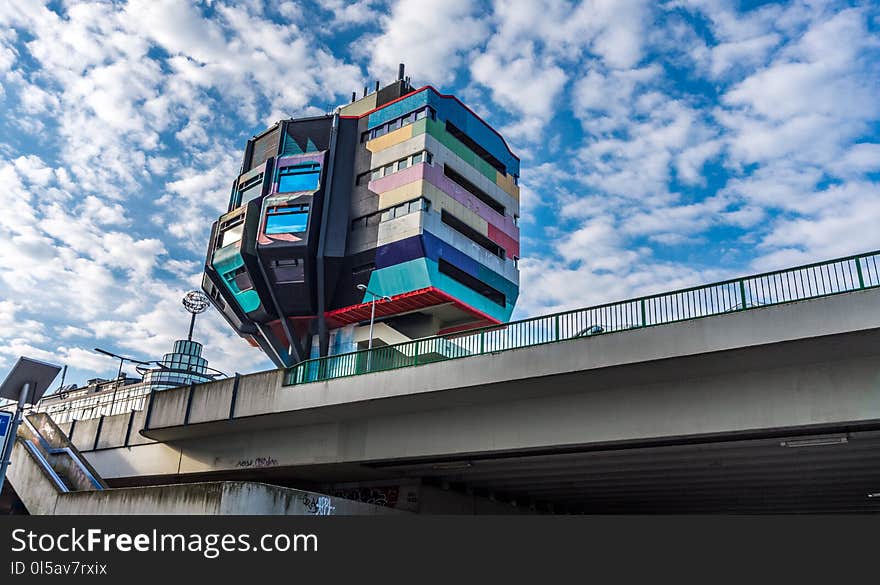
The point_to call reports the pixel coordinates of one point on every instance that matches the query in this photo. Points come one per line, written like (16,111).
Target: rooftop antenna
(400,69)
(195,302)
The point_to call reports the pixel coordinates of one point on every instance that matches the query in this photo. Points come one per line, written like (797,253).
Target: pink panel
(434,175)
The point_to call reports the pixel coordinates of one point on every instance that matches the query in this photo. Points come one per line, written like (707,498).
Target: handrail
(807,281)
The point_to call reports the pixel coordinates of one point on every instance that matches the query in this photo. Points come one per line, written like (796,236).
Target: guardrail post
(556,327)
(416,356)
(859,272)
(128,430)
(98,433)
(149,416)
(234,396)
(189,402)
(482,342)
(742,294)
(644,313)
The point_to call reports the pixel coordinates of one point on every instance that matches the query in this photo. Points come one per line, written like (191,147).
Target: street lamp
(121,359)
(363,287)
(27,381)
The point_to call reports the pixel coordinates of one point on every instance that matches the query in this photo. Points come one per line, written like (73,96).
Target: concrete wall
(211,499)
(42,497)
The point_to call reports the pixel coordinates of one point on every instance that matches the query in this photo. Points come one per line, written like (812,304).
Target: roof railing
(809,281)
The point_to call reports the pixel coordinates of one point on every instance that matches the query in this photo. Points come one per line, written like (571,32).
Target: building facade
(404,191)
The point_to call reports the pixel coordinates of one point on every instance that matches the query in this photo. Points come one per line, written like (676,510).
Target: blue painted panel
(435,248)
(399,252)
(398,109)
(451,109)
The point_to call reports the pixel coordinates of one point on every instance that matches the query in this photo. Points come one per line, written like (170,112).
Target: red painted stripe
(409,301)
(503,240)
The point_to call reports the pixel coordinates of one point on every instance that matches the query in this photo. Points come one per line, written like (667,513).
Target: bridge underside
(741,476)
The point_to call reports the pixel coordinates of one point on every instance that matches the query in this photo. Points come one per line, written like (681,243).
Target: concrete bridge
(772,409)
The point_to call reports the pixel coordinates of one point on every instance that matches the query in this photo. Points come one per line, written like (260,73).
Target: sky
(663,143)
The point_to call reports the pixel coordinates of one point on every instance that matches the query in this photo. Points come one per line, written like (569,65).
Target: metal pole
(116,387)
(370,342)
(13,431)
(192,323)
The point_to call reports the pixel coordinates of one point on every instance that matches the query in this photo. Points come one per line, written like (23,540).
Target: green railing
(771,288)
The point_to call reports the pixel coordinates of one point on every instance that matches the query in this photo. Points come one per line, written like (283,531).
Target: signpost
(26,382)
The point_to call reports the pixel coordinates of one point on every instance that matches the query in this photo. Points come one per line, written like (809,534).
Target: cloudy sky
(663,144)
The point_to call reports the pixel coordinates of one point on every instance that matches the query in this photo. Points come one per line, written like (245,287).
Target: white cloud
(418,33)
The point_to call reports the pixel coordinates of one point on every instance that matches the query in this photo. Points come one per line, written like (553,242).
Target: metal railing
(95,405)
(809,281)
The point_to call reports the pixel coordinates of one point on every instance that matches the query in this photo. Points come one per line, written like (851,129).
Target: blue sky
(663,144)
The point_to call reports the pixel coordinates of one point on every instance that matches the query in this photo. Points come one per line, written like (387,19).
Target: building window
(363,268)
(241,279)
(471,234)
(473,189)
(299,178)
(250,189)
(287,220)
(398,165)
(476,148)
(399,210)
(425,112)
(475,284)
(289,271)
(231,235)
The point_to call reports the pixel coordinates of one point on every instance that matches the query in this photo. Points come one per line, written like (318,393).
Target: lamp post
(195,302)
(363,287)
(122,359)
(27,381)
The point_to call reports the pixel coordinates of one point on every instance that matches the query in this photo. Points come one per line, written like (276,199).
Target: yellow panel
(359,107)
(439,201)
(400,194)
(390,139)
(506,183)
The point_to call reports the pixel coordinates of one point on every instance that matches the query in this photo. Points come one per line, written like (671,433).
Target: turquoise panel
(398,279)
(422,273)
(227,260)
(398,109)
(469,296)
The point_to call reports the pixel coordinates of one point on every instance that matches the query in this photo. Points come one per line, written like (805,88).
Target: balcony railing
(809,281)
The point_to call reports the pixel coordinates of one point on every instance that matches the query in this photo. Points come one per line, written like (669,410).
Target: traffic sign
(5,427)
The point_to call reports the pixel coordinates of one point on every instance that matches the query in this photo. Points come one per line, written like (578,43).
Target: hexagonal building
(405,191)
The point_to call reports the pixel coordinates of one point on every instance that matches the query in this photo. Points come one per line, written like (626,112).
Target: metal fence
(809,281)
(95,405)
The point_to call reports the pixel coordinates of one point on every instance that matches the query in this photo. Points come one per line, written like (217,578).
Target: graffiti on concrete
(318,505)
(258,462)
(379,496)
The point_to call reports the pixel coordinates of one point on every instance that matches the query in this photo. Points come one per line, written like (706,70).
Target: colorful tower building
(405,191)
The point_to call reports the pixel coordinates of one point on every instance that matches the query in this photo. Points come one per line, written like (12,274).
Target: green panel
(438,131)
